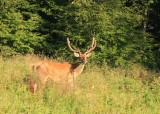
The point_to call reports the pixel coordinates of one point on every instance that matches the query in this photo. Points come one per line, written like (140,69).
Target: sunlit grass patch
(102,89)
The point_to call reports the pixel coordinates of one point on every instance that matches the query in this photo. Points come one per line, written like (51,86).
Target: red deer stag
(59,72)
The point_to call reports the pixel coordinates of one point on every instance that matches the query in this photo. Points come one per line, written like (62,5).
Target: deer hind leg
(32,85)
(33,88)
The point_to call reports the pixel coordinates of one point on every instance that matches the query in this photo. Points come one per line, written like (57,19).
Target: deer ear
(88,54)
(76,54)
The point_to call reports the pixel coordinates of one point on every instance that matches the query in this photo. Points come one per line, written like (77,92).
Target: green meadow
(98,90)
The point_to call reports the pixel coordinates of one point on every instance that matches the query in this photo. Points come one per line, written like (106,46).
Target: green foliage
(17,26)
(43,26)
(98,90)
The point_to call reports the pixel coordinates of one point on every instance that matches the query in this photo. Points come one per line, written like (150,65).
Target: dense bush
(18,28)
(34,26)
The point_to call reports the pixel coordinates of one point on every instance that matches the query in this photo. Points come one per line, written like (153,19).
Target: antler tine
(69,45)
(93,45)
(93,40)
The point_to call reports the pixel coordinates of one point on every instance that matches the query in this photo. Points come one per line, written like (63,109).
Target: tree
(18,27)
(42,26)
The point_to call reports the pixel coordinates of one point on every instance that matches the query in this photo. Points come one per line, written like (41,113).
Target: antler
(92,46)
(69,45)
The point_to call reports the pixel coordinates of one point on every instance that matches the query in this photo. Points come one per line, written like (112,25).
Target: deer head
(82,56)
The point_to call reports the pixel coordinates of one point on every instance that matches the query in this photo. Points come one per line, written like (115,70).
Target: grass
(99,90)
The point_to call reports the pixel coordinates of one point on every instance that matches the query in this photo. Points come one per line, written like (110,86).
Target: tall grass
(99,90)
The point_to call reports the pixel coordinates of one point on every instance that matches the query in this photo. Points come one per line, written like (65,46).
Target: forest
(121,77)
(126,31)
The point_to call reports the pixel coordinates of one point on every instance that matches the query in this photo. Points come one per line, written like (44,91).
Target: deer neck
(77,69)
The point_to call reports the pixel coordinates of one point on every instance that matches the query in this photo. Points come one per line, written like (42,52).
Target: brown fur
(59,72)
